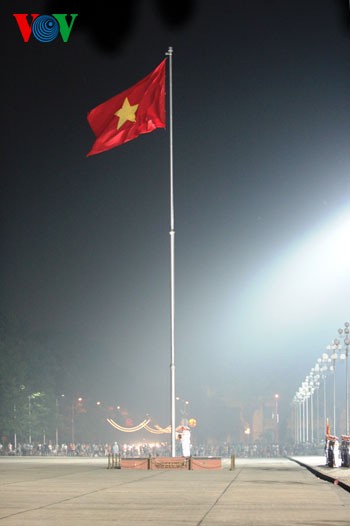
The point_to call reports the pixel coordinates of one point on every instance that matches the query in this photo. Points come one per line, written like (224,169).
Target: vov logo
(45,28)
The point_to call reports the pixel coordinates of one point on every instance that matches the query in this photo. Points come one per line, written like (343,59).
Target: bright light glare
(309,276)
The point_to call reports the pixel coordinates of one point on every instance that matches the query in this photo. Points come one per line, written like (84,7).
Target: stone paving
(44,491)
(318,464)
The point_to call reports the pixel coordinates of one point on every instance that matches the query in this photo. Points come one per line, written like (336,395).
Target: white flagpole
(172,261)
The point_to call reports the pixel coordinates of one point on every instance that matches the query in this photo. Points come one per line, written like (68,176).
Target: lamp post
(334,357)
(57,418)
(296,419)
(347,343)
(56,424)
(30,398)
(300,415)
(304,390)
(73,431)
(316,379)
(303,422)
(299,400)
(29,419)
(334,347)
(21,388)
(311,390)
(15,427)
(324,361)
(73,418)
(304,414)
(276,419)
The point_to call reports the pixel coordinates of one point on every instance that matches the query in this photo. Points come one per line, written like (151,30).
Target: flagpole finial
(170,51)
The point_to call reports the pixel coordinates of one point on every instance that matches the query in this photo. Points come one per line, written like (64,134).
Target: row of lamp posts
(33,396)
(303,413)
(78,400)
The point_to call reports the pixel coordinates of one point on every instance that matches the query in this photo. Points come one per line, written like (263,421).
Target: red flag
(139,109)
(328,427)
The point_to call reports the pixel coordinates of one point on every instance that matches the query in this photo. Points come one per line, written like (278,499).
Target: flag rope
(172,261)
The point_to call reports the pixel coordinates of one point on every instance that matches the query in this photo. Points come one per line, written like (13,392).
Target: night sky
(262,198)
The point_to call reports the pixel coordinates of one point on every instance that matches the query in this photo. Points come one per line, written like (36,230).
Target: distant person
(185,437)
(115,455)
(337,456)
(115,448)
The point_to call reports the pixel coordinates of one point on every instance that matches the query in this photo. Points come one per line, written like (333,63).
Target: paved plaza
(49,491)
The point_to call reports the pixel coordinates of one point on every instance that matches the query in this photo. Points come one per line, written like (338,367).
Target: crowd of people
(183,448)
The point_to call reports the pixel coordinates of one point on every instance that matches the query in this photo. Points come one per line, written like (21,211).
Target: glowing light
(128,429)
(305,278)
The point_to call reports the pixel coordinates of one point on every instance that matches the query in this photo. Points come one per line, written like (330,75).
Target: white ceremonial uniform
(186,441)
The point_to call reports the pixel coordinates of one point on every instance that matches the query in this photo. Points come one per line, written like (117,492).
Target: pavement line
(237,473)
(122,483)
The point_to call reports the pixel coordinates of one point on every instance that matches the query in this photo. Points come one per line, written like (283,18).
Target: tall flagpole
(172,260)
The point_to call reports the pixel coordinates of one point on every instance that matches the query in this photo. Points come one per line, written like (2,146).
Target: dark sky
(261,181)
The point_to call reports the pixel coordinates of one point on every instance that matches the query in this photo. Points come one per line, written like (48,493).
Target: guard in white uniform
(185,437)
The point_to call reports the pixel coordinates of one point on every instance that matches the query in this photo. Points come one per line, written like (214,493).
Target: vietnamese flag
(139,109)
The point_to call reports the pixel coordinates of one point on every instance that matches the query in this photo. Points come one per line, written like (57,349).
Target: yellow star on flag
(119,120)
(126,113)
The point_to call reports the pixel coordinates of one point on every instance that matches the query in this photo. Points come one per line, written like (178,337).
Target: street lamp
(304,421)
(315,371)
(295,415)
(298,398)
(334,356)
(346,343)
(324,361)
(276,415)
(21,388)
(305,393)
(73,418)
(57,417)
(311,390)
(30,398)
